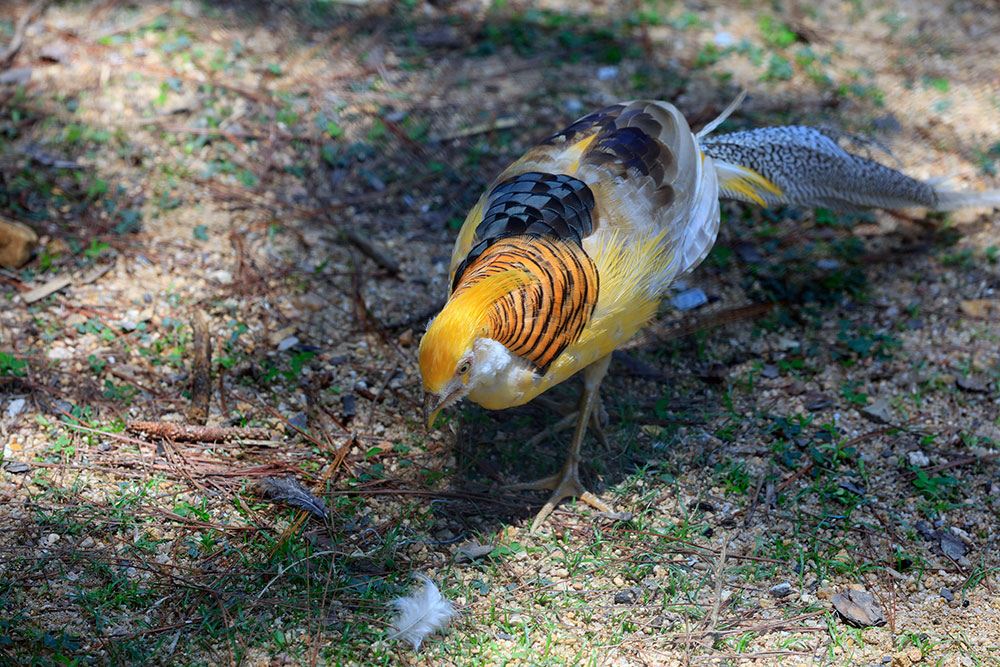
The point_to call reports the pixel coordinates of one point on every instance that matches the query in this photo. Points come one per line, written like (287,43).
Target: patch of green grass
(938,487)
(939,84)
(812,64)
(851,390)
(571,35)
(733,476)
(12,366)
(775,33)
(988,158)
(708,54)
(862,341)
(778,69)
(961,259)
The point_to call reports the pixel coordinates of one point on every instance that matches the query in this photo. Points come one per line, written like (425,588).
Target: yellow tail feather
(745,183)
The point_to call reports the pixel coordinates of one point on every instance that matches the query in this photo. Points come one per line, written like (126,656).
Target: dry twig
(201,371)
(194,433)
(7,55)
(369,250)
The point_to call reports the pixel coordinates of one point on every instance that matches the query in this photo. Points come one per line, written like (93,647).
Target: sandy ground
(827,420)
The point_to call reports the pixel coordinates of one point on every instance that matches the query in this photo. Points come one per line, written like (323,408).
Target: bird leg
(567,482)
(598,420)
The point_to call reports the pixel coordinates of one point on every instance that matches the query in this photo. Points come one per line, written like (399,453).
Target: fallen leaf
(981,308)
(951,546)
(878,411)
(973,384)
(16,467)
(628,596)
(42,291)
(816,401)
(858,608)
(470,551)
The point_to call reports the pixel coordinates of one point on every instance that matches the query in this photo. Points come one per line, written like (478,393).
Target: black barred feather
(538,320)
(586,126)
(631,144)
(290,491)
(533,204)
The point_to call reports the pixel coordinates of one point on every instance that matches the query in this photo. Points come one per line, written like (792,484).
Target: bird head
(448,361)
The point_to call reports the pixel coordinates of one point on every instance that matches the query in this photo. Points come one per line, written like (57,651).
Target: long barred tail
(803,166)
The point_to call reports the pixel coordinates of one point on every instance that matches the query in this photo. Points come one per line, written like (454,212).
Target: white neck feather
(491,359)
(498,378)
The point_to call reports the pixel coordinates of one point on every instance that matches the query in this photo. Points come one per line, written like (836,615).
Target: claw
(566,484)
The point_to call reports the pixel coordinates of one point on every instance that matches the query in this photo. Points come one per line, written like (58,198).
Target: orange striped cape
(538,318)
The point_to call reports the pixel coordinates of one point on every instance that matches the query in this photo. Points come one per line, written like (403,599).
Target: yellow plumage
(622,201)
(567,253)
(461,323)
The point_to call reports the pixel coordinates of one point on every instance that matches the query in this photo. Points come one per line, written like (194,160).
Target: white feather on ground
(421,613)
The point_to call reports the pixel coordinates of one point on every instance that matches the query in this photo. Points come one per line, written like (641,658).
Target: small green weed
(12,366)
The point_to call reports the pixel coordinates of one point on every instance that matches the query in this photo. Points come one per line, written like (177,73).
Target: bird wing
(642,168)
(560,153)
(625,188)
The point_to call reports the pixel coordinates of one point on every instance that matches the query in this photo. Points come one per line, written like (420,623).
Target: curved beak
(432,406)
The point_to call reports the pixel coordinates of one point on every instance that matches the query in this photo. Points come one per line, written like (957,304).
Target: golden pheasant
(568,252)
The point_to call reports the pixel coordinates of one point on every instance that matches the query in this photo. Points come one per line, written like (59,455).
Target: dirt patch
(296,177)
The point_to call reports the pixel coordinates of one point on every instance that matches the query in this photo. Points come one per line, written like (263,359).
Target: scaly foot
(564,484)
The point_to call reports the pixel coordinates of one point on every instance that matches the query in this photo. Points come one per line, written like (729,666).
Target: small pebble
(749,253)
(299,421)
(781,590)
(724,39)
(607,72)
(289,342)
(347,406)
(15,407)
(947,595)
(770,371)
(825,592)
(627,596)
(689,299)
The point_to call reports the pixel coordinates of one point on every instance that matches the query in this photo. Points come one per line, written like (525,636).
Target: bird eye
(464,367)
